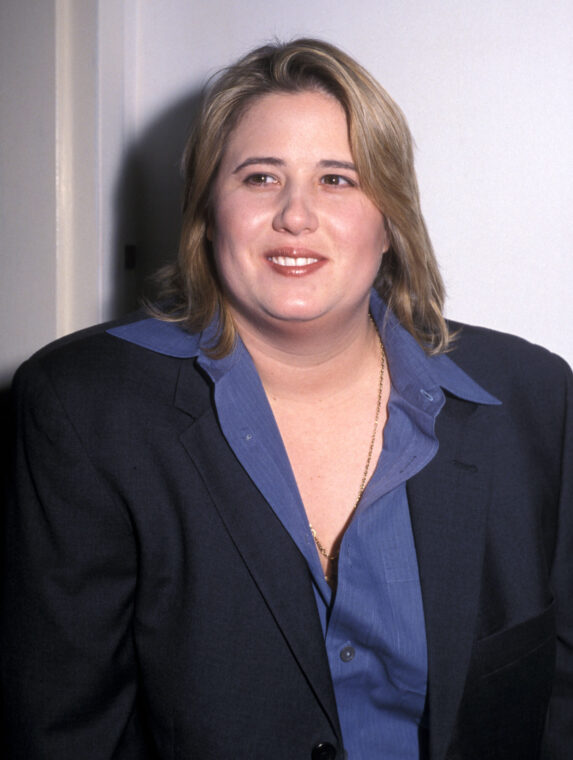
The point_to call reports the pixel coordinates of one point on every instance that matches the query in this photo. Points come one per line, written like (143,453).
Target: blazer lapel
(272,558)
(448,504)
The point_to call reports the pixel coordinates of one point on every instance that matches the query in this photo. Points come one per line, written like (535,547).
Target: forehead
(311,119)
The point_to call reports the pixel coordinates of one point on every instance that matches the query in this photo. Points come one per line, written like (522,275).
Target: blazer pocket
(502,713)
(505,648)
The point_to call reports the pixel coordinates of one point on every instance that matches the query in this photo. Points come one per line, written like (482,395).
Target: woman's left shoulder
(507,364)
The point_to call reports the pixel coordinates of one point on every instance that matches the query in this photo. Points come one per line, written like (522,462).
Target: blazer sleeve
(68,663)
(559,732)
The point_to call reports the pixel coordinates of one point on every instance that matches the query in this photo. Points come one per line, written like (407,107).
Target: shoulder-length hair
(382,147)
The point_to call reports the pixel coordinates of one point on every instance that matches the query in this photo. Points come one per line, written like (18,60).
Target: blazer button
(323,751)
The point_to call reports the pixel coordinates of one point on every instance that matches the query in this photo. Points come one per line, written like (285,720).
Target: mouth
(294,262)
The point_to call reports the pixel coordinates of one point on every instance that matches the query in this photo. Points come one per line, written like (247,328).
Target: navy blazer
(154,606)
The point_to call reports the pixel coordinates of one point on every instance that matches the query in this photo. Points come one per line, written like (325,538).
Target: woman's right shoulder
(96,361)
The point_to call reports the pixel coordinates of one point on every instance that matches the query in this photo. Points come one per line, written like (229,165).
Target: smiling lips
(294,263)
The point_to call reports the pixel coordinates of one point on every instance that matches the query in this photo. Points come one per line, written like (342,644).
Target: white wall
(63,136)
(27,189)
(96,97)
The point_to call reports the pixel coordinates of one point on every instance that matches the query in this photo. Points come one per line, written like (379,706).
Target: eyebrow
(330,164)
(259,160)
(272,161)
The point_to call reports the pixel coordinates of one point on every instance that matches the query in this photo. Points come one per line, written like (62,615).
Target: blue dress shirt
(374,624)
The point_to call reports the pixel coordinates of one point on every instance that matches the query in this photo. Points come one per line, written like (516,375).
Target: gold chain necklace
(319,546)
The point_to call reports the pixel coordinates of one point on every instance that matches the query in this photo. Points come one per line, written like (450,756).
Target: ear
(387,235)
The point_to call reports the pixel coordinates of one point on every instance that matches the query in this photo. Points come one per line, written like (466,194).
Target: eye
(337,180)
(260,179)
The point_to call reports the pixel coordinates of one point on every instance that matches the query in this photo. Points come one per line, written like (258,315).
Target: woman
(275,519)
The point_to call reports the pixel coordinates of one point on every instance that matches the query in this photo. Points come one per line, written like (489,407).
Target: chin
(296,313)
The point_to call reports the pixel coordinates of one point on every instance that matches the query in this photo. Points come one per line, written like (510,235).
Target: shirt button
(323,751)
(426,395)
(347,654)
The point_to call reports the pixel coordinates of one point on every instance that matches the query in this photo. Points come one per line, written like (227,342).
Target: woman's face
(295,238)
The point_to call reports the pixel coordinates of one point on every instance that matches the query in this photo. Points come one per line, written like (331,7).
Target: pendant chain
(319,546)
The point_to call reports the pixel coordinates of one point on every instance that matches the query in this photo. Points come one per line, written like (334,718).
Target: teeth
(288,261)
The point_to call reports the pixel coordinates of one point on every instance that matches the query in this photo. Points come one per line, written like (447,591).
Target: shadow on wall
(148,200)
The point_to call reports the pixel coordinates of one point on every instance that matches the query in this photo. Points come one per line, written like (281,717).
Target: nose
(296,212)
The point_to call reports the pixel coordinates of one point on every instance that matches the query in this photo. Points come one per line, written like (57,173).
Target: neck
(307,360)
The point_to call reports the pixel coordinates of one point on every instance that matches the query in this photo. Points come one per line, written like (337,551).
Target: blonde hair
(381,144)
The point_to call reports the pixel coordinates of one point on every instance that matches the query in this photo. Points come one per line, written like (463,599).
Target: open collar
(413,372)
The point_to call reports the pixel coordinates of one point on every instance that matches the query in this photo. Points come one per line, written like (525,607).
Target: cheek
(220,226)
(235,223)
(233,244)
(367,231)
(362,219)
(379,231)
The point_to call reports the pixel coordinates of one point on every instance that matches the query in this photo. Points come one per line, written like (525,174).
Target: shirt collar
(170,339)
(413,371)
